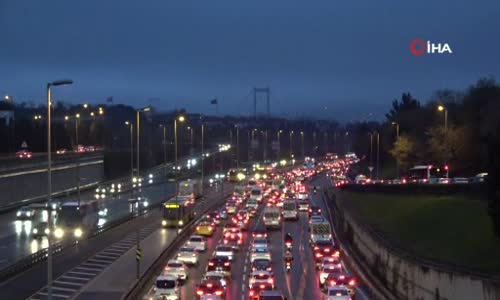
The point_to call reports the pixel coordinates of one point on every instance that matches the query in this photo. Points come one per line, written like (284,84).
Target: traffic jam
(242,250)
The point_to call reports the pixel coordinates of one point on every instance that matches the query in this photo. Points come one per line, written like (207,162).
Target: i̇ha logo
(419,47)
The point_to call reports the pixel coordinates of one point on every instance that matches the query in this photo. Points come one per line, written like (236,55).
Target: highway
(301,282)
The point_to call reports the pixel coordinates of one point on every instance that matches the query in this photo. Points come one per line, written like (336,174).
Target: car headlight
(47,231)
(35,231)
(78,233)
(28,214)
(181,222)
(58,233)
(164,223)
(18,213)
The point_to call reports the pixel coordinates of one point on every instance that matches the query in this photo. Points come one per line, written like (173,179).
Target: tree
(450,146)
(404,150)
(399,108)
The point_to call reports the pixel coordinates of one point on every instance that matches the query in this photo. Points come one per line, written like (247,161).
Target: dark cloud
(352,57)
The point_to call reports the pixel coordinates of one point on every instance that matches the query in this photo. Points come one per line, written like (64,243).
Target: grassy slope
(451,229)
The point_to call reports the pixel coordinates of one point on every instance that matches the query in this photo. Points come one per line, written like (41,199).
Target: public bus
(177,214)
(428,174)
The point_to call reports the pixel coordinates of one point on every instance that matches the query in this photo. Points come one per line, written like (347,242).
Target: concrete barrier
(407,276)
(21,186)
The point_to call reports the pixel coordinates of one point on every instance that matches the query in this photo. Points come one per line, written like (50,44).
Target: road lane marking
(59,281)
(74,277)
(63,289)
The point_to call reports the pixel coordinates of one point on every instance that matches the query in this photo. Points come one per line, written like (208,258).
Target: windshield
(165,284)
(196,239)
(289,206)
(174,265)
(271,214)
(224,249)
(255,192)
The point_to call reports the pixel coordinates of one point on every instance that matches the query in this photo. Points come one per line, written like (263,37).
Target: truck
(272,218)
(190,189)
(320,231)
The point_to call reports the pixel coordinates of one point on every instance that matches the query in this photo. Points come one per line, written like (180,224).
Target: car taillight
(332,282)
(210,263)
(209,285)
(319,255)
(352,282)
(197,227)
(270,280)
(218,293)
(327,250)
(251,292)
(226,264)
(337,253)
(199,292)
(316,248)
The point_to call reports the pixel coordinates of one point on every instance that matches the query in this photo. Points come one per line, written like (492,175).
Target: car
(337,293)
(210,287)
(223,213)
(205,228)
(331,260)
(271,295)
(177,269)
(261,277)
(198,242)
(260,253)
(216,275)
(61,151)
(314,210)
(260,231)
(231,207)
(256,194)
(234,240)
(24,154)
(165,287)
(219,264)
(256,288)
(241,222)
(262,265)
(324,248)
(232,228)
(188,255)
(40,229)
(303,205)
(224,250)
(252,203)
(327,270)
(259,242)
(214,216)
(25,213)
(340,279)
(302,196)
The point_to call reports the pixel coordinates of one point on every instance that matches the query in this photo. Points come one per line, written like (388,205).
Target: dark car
(256,288)
(210,287)
(262,265)
(260,231)
(314,210)
(221,264)
(324,248)
(340,278)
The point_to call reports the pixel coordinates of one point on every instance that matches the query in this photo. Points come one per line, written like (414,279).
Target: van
(290,210)
(272,218)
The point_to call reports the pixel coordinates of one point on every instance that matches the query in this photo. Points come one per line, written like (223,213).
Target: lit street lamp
(279,143)
(291,151)
(180,119)
(442,108)
(49,181)
(138,116)
(302,143)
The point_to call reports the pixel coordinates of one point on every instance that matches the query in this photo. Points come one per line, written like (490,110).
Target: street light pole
(202,154)
(49,183)
(279,144)
(131,148)
(302,144)
(378,154)
(77,121)
(165,149)
(291,151)
(237,147)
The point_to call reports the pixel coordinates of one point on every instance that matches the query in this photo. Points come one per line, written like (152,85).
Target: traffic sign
(138,254)
(24,145)
(370,168)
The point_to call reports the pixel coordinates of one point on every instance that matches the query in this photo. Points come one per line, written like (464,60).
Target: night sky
(328,59)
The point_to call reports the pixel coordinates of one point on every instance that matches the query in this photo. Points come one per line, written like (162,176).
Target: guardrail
(146,281)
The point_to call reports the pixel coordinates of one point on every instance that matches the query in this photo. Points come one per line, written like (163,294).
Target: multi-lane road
(301,282)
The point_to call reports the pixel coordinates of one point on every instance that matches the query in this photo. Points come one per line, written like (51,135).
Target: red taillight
(226,264)
(327,250)
(209,285)
(210,263)
(352,282)
(199,292)
(218,293)
(251,292)
(316,248)
(332,282)
(197,227)
(319,255)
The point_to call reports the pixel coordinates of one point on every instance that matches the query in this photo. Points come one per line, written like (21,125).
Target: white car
(256,194)
(216,275)
(252,204)
(327,270)
(302,196)
(188,255)
(223,250)
(335,260)
(165,288)
(198,242)
(261,277)
(260,253)
(337,293)
(259,242)
(177,269)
